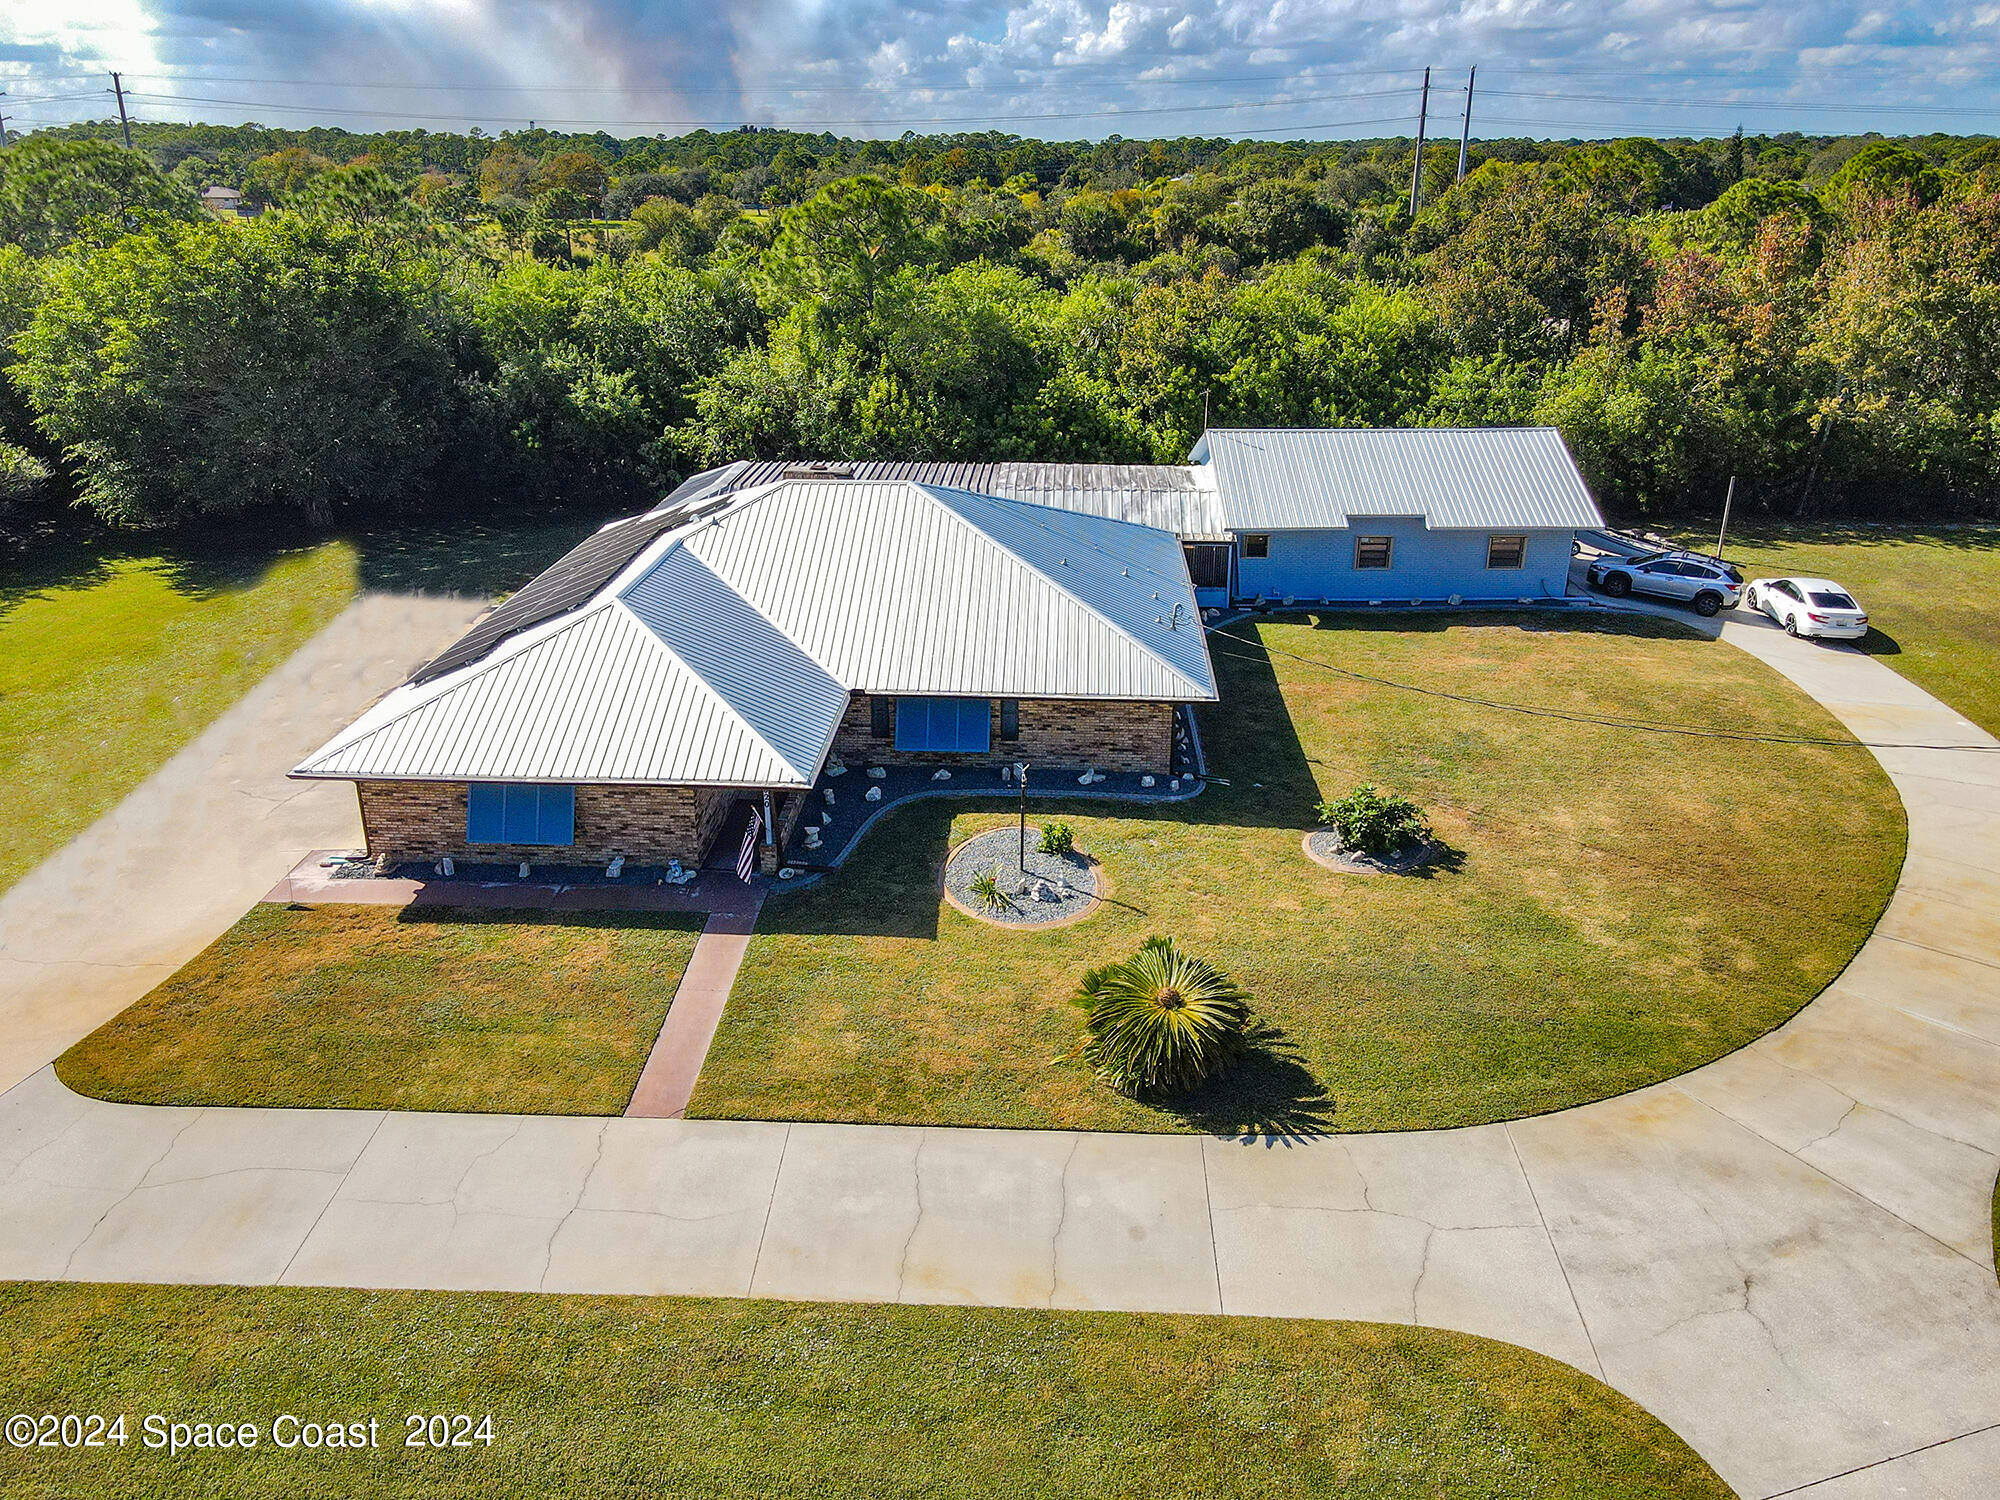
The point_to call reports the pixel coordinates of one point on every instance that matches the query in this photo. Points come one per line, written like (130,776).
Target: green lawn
(368,1007)
(1932,595)
(108,668)
(115,652)
(1627,906)
(602,1396)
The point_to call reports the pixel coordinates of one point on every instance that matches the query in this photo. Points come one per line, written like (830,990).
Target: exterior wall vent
(819,469)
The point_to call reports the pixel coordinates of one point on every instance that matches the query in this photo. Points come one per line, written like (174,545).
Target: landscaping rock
(1323,846)
(1055,889)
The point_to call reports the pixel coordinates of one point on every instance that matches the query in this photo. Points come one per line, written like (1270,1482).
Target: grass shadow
(1269,1093)
(433,914)
(473,558)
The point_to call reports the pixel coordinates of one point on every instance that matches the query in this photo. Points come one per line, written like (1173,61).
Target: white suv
(1687,576)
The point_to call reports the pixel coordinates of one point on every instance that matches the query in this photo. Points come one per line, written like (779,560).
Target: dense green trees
(54,192)
(1815,317)
(195,369)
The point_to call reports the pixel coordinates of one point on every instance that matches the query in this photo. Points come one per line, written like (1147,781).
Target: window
(1010,718)
(1834,601)
(1256,544)
(509,813)
(1207,564)
(878,717)
(1373,551)
(956,724)
(1506,551)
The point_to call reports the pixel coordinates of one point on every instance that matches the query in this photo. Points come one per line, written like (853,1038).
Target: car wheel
(1791,625)
(1707,602)
(1617,585)
(1750,599)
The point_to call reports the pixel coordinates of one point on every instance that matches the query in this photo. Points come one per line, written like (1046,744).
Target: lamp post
(1021,776)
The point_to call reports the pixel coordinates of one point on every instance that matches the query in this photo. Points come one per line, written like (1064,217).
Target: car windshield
(1834,601)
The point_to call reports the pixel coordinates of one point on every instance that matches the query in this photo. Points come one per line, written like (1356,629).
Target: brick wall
(424,820)
(1114,735)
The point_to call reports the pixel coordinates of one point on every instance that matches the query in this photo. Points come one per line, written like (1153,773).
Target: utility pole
(1465,135)
(3,123)
(1417,171)
(124,124)
(1727,501)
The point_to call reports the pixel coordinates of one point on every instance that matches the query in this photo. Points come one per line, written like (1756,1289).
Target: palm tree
(1162,1021)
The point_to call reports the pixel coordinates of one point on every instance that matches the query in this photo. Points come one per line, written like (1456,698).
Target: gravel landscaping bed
(1044,902)
(1324,847)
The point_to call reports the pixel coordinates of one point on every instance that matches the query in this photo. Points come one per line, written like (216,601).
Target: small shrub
(1162,1021)
(1371,823)
(1058,838)
(989,893)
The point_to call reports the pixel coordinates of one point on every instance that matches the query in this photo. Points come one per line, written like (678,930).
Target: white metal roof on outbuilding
(724,653)
(1282,479)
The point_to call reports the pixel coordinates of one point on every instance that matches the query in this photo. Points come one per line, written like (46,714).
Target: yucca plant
(1162,1021)
(989,893)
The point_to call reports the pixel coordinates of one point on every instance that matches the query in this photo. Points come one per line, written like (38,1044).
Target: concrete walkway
(667,1081)
(1785,1255)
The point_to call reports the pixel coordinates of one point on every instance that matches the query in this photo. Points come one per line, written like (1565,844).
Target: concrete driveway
(1785,1255)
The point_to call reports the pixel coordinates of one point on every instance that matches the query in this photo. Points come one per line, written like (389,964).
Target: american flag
(746,857)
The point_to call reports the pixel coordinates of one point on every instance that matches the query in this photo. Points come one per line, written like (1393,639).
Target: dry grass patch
(368,1007)
(1628,906)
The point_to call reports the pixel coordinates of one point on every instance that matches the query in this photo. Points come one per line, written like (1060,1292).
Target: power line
(1737,104)
(1574,716)
(1090,114)
(777,88)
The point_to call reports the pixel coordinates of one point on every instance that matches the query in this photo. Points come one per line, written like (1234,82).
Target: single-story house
(722,649)
(227,201)
(1312,515)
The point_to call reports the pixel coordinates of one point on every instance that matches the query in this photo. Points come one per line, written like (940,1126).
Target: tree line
(425,321)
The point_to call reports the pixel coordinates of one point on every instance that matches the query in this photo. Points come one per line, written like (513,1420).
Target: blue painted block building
(1389,515)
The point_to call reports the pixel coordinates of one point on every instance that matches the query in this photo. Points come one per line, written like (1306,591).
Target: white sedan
(1809,606)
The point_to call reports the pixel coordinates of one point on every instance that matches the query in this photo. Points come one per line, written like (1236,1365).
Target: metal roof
(564,585)
(724,653)
(1281,479)
(1169,496)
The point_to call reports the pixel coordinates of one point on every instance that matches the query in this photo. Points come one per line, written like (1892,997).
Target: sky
(1058,69)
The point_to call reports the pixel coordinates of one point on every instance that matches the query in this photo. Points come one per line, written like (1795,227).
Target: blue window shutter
(557,824)
(517,823)
(975,725)
(483,801)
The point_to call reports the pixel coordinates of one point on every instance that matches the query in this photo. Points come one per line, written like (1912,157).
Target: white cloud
(643,65)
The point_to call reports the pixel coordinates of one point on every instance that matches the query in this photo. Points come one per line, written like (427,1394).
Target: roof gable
(598,698)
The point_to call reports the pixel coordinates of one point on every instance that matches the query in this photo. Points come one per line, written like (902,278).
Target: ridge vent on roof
(819,468)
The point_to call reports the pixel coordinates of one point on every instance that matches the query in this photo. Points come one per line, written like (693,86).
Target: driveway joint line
(1535,1198)
(1893,1458)
(306,1238)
